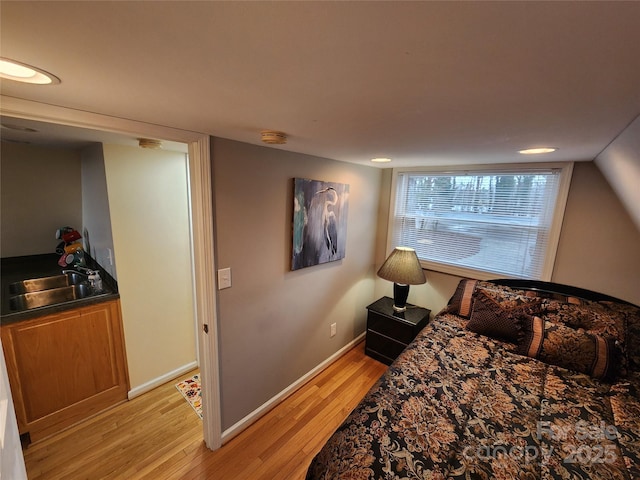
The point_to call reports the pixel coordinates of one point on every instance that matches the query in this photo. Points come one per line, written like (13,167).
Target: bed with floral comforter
(505,383)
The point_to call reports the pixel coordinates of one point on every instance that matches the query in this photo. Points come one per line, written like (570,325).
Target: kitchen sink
(52,296)
(46,283)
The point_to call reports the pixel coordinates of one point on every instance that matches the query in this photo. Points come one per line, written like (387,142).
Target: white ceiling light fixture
(273,137)
(21,72)
(380,160)
(149,143)
(537,151)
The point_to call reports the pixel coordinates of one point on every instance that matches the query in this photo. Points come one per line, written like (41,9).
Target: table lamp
(402,268)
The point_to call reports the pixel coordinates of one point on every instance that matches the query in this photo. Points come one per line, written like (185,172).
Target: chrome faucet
(86,271)
(65,272)
(79,269)
(92,275)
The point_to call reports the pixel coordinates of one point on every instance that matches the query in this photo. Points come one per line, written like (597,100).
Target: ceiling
(50,135)
(423,83)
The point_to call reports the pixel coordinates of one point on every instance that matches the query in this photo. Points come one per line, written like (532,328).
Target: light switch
(224,278)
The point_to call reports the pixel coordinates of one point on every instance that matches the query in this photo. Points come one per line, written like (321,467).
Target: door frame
(201,201)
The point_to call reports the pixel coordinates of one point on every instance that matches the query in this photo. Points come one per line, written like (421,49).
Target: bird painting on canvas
(319,222)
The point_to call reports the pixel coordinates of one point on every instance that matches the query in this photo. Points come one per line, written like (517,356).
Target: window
(482,222)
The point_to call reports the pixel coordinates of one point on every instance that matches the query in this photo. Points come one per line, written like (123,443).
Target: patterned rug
(190,390)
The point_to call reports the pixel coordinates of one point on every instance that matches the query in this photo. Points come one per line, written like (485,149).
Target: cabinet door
(43,351)
(67,366)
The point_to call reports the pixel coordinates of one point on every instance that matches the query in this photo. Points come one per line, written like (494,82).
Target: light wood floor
(158,436)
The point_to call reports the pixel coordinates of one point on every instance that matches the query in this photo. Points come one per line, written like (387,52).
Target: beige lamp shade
(403,267)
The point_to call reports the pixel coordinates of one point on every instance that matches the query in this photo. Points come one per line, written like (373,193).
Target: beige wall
(96,217)
(150,222)
(274,323)
(40,192)
(598,247)
(620,164)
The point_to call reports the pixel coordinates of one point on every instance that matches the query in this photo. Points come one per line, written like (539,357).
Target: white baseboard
(242,424)
(156,382)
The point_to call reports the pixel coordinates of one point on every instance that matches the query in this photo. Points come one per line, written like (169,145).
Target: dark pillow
(461,303)
(462,300)
(574,349)
(499,318)
(631,315)
(594,317)
(607,319)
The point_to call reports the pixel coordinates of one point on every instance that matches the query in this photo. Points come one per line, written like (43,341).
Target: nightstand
(389,332)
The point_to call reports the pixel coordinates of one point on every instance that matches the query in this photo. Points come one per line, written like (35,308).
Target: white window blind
(493,222)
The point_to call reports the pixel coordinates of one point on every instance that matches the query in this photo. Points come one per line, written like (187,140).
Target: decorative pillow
(461,303)
(608,319)
(462,300)
(595,317)
(577,350)
(631,315)
(499,319)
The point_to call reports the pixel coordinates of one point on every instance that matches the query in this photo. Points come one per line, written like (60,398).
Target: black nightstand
(389,332)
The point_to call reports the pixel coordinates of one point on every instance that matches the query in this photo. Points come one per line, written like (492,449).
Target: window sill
(466,272)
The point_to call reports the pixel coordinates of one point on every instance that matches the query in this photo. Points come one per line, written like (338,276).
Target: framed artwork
(319,222)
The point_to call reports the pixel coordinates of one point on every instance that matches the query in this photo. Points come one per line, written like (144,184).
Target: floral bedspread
(457,404)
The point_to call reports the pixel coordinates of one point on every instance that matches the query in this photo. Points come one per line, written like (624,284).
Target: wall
(620,164)
(274,323)
(598,247)
(11,459)
(40,192)
(148,200)
(96,217)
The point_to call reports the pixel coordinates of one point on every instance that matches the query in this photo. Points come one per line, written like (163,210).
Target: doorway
(199,172)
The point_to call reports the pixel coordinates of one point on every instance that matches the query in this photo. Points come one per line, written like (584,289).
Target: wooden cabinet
(65,367)
(389,332)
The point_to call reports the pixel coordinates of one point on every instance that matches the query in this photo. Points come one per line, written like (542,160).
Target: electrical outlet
(334,328)
(224,278)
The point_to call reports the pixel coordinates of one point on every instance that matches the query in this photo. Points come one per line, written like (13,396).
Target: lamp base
(400,295)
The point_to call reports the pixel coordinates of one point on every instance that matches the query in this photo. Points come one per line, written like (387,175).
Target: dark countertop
(15,269)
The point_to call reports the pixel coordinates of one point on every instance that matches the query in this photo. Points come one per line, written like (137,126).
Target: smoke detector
(149,143)
(273,137)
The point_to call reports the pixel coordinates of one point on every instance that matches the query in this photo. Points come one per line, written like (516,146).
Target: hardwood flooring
(157,436)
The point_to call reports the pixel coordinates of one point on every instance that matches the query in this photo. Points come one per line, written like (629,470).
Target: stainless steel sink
(46,283)
(52,296)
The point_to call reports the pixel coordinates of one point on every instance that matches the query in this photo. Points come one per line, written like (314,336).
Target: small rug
(190,390)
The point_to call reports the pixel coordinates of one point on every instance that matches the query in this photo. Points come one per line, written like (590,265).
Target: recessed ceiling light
(381,160)
(21,72)
(537,151)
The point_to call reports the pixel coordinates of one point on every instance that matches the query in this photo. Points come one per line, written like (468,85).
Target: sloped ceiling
(620,164)
(420,82)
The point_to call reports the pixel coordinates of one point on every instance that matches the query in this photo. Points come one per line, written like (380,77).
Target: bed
(514,379)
